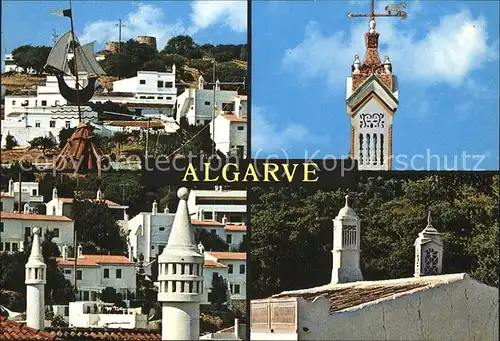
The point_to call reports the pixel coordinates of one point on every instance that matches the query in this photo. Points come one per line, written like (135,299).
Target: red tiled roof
(236,228)
(206,222)
(11,330)
(94,260)
(138,124)
(26,216)
(234,118)
(211,264)
(228,255)
(105,334)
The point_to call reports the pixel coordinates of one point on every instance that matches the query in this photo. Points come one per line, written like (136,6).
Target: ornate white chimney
(35,284)
(428,251)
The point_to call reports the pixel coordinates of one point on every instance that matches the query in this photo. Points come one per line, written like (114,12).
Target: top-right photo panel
(395,86)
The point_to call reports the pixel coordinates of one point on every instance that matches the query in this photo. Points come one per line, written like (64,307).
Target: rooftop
(29,216)
(212,264)
(206,222)
(228,255)
(11,330)
(94,260)
(235,228)
(104,334)
(234,118)
(107,202)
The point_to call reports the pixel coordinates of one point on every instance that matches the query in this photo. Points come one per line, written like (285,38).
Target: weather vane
(390,11)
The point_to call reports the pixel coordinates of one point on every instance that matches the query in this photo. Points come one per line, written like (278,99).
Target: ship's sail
(85,60)
(58,56)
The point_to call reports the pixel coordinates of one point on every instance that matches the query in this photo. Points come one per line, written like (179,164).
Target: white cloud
(229,13)
(145,20)
(268,137)
(449,51)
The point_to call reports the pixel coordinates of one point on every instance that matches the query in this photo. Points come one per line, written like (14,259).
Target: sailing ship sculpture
(81,151)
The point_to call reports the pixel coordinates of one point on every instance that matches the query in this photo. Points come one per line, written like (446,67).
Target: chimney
(155,207)
(202,214)
(130,253)
(99,194)
(54,193)
(80,251)
(236,328)
(173,69)
(217,85)
(11,187)
(26,208)
(428,251)
(166,210)
(64,252)
(224,220)
(35,284)
(201,83)
(201,248)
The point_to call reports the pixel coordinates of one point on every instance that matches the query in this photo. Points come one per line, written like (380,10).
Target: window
(242,269)
(162,229)
(207,215)
(241,128)
(213,231)
(160,97)
(67,124)
(169,84)
(56,232)
(78,274)
(34,192)
(14,246)
(150,97)
(66,311)
(106,273)
(1,206)
(67,272)
(7,246)
(86,297)
(52,124)
(13,102)
(228,106)
(229,239)
(44,103)
(142,97)
(53,210)
(138,111)
(169,97)
(241,150)
(142,81)
(236,289)
(37,124)
(160,84)
(207,103)
(118,273)
(230,268)
(1,226)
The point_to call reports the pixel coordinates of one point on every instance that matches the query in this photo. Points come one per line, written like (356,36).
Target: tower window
(431,262)
(361,146)
(349,236)
(230,269)
(381,149)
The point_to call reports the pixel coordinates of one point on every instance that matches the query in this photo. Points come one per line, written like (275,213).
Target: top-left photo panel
(110,85)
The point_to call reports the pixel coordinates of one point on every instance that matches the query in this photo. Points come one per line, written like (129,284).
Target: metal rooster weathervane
(390,11)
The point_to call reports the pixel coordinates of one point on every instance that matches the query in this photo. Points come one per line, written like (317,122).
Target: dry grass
(24,154)
(19,81)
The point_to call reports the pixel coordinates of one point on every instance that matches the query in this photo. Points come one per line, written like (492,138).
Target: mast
(77,83)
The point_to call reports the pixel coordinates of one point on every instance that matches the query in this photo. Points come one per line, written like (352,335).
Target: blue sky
(30,22)
(445,56)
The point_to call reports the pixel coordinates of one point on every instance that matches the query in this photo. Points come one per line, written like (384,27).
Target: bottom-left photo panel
(115,256)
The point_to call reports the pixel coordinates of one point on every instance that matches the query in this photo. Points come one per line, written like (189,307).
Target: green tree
(10,142)
(64,135)
(44,143)
(211,242)
(218,292)
(109,295)
(96,226)
(31,57)
(183,45)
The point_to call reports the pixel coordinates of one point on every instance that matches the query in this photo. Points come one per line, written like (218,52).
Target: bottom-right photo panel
(397,257)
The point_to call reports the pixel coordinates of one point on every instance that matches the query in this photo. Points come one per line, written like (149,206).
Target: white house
(232,233)
(16,227)
(11,66)
(94,273)
(197,105)
(148,232)
(84,314)
(229,132)
(63,206)
(29,195)
(150,85)
(236,272)
(215,204)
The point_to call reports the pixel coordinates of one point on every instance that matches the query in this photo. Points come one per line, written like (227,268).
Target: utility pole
(120,25)
(20,202)
(75,256)
(147,139)
(216,83)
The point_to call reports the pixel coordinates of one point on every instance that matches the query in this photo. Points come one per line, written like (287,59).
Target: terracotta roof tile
(206,222)
(11,330)
(106,334)
(228,255)
(234,118)
(236,228)
(94,260)
(211,264)
(25,216)
(138,124)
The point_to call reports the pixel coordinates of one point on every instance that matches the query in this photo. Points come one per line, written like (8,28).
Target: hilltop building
(395,309)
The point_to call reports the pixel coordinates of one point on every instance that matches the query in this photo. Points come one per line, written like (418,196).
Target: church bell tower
(372,100)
